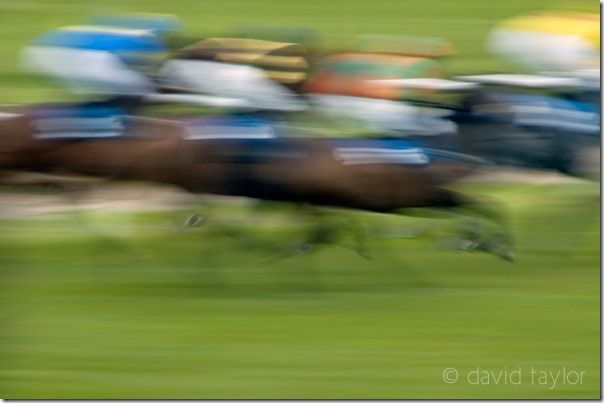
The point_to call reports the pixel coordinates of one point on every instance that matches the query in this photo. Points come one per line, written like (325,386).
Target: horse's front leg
(487,228)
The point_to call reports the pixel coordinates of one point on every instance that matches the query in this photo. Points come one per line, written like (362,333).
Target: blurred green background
(129,305)
(125,305)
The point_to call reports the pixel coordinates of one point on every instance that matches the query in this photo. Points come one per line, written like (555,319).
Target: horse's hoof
(194,220)
(364,253)
(461,244)
(507,255)
(498,250)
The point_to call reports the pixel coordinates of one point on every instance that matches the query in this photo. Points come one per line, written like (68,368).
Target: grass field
(112,305)
(124,305)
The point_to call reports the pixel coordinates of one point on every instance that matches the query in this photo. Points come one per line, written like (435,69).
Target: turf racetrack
(129,305)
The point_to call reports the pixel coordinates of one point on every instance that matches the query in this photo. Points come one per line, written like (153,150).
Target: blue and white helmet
(137,40)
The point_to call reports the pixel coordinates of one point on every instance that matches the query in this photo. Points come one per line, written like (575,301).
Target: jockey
(261,75)
(549,41)
(391,89)
(113,58)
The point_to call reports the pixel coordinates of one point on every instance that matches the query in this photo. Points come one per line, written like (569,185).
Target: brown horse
(306,171)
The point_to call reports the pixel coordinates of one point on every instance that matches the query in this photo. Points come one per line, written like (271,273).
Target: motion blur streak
(299,200)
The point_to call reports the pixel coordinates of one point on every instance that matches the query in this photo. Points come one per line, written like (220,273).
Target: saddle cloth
(77,122)
(379,151)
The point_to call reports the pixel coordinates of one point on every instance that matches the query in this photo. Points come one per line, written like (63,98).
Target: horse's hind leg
(487,230)
(328,228)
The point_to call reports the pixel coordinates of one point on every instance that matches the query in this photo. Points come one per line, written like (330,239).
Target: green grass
(130,306)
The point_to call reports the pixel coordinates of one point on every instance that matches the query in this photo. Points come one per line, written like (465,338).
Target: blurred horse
(379,175)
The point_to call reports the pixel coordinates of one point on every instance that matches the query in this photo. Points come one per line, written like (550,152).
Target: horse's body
(315,171)
(299,169)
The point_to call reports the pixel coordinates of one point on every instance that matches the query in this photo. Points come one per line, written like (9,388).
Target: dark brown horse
(306,171)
